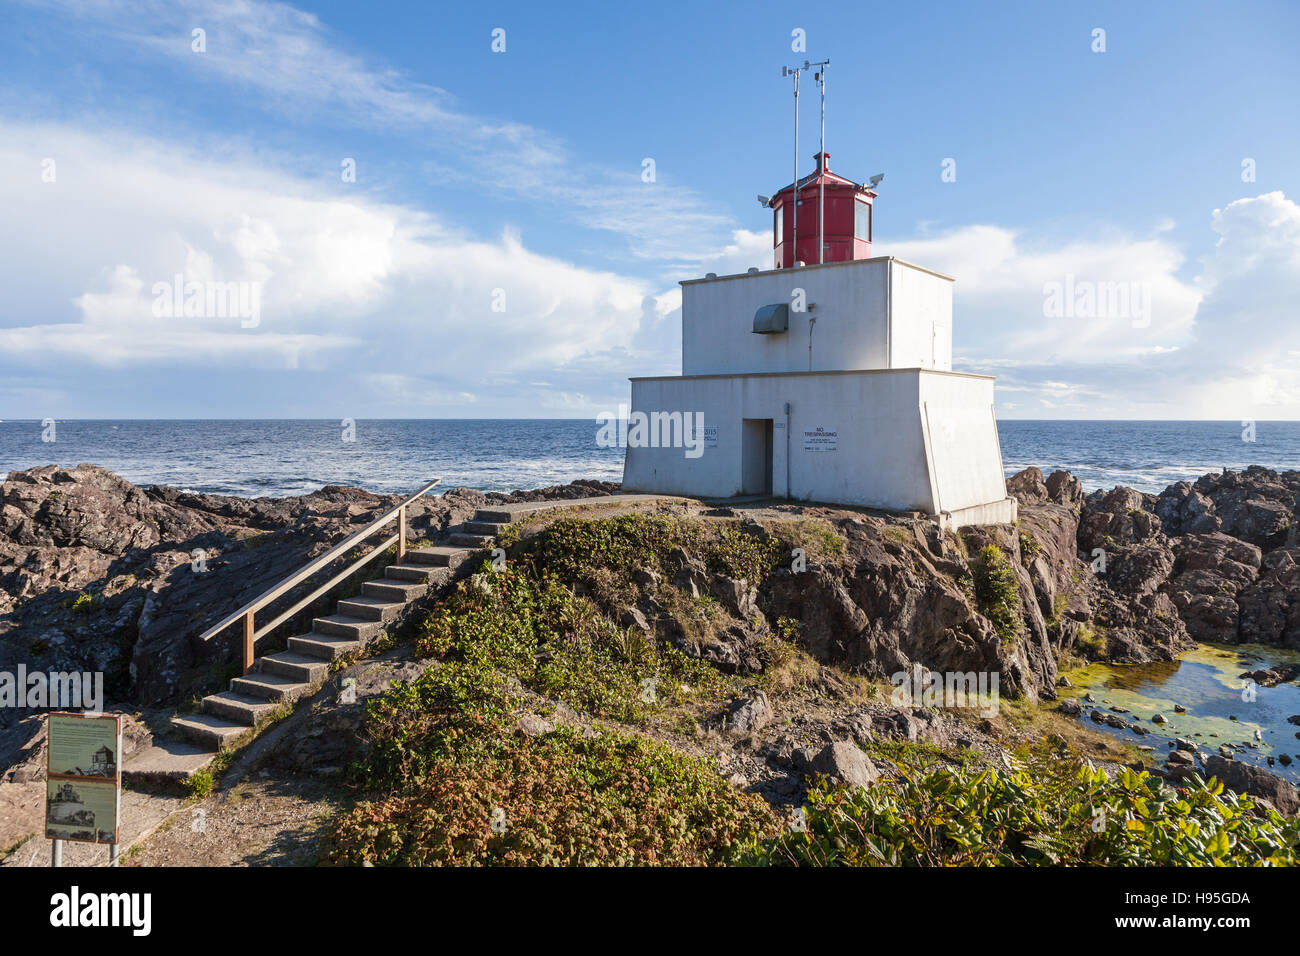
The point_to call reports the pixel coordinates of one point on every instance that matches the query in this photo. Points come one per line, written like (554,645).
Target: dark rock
(632,617)
(1246,778)
(582,488)
(749,714)
(530,725)
(1271,677)
(898,726)
(843,761)
(1027,486)
(1064,489)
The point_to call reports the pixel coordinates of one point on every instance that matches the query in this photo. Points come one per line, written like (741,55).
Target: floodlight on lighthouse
(875,180)
(765,202)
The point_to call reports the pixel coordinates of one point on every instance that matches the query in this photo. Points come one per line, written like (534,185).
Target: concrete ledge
(994,512)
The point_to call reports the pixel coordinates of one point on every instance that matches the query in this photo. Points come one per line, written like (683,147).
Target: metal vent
(772,318)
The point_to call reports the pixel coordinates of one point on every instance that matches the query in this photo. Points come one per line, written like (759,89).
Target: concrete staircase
(279,679)
(482,530)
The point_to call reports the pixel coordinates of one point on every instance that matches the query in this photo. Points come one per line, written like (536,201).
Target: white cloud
(381,292)
(1002,279)
(1216,345)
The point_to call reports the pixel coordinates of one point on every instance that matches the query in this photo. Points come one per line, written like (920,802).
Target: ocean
(266,457)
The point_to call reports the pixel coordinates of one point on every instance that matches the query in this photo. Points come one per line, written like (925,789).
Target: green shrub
(740,553)
(1029,547)
(85,603)
(444,760)
(1048,807)
(996,593)
(201,783)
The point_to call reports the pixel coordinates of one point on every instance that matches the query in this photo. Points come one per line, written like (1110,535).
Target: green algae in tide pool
(1206,681)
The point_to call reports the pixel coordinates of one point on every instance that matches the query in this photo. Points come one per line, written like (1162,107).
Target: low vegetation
(531,739)
(1046,807)
(462,788)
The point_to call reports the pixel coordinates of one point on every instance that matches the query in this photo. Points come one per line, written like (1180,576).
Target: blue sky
(499,254)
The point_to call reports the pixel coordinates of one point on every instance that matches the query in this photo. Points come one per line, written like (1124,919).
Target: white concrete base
(895,439)
(996,512)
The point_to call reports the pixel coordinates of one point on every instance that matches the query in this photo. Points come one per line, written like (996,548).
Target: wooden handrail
(246,613)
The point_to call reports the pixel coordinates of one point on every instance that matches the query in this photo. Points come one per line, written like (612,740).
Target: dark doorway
(756,456)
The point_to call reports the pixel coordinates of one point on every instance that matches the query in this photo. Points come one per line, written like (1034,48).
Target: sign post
(83,781)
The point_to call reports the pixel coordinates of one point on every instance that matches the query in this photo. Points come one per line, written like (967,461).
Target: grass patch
(539,633)
(816,536)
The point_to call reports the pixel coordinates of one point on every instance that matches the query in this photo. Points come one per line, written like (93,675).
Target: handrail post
(401,535)
(248,642)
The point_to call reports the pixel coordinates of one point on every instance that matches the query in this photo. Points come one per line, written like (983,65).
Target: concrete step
(496,517)
(441,556)
(238,708)
(371,608)
(272,687)
(295,666)
(484,527)
(417,573)
(208,730)
(390,590)
(325,647)
(476,541)
(347,625)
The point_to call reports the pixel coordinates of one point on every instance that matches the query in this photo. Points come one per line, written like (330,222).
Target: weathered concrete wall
(879,455)
(864,320)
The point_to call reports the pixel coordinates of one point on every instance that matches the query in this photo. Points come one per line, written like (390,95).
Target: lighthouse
(827,378)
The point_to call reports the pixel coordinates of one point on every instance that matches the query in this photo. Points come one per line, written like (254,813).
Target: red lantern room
(848,218)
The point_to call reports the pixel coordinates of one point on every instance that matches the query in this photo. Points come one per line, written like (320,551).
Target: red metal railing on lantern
(252,633)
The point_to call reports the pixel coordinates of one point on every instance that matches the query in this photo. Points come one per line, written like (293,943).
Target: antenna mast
(820,77)
(794,226)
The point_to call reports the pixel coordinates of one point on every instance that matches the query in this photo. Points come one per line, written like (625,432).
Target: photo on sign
(83,747)
(83,810)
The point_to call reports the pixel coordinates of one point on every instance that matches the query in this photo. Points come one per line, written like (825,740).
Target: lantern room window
(862,221)
(780,224)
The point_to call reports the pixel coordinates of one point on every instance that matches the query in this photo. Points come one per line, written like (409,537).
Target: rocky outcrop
(1256,505)
(904,595)
(1210,570)
(582,488)
(1127,576)
(97,574)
